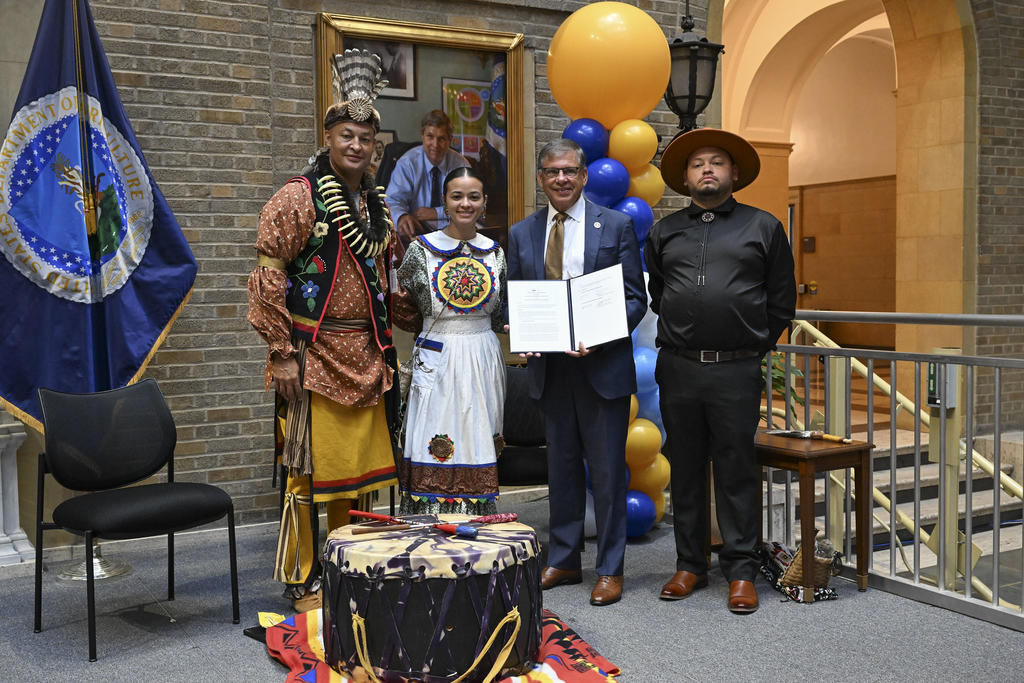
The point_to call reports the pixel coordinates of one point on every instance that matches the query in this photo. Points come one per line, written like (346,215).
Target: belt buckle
(709,356)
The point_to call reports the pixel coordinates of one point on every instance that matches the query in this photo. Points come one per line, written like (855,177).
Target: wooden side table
(807,457)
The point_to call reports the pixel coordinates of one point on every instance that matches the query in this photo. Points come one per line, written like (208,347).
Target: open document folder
(556,315)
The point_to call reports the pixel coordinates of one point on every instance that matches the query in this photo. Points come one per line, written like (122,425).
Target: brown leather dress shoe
(682,584)
(607,590)
(553,576)
(742,597)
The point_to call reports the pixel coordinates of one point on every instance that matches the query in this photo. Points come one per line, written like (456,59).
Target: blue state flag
(95,268)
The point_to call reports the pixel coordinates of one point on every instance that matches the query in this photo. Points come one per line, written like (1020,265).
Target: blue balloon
(650,406)
(640,513)
(645,359)
(590,135)
(641,213)
(607,182)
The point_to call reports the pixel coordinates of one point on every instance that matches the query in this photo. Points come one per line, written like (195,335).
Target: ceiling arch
(780,42)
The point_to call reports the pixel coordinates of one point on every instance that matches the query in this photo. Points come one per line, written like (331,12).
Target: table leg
(806,476)
(863,489)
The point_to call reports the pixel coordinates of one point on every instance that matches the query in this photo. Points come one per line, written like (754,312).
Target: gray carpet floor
(871,636)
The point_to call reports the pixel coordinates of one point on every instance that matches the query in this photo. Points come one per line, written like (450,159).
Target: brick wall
(220,94)
(1000,245)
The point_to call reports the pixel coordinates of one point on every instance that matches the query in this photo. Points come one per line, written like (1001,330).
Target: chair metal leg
(38,625)
(234,566)
(170,567)
(90,595)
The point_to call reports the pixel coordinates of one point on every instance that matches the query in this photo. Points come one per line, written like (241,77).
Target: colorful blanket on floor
(564,657)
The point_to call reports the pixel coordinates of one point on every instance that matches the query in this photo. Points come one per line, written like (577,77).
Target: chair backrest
(523,424)
(109,438)
(393,151)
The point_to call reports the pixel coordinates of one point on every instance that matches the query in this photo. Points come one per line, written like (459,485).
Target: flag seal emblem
(38,177)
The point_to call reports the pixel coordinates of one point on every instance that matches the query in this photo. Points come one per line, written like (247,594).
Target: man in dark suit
(583,393)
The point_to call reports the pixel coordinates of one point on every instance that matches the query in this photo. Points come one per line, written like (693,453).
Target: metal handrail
(821,340)
(955,319)
(1006,482)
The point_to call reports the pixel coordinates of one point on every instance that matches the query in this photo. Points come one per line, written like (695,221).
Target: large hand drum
(422,605)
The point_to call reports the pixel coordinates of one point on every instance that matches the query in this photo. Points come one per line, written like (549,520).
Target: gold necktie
(553,255)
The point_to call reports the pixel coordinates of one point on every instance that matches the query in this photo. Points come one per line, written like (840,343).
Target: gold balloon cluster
(610,62)
(649,470)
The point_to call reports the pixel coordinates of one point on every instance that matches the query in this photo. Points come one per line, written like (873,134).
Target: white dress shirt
(572,237)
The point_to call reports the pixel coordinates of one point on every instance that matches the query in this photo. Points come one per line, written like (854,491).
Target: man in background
(414,191)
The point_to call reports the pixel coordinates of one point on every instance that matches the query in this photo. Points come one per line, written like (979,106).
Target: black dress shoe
(553,576)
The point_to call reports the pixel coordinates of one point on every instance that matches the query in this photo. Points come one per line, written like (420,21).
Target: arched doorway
(863,111)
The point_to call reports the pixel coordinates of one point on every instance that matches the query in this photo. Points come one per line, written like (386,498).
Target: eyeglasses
(569,171)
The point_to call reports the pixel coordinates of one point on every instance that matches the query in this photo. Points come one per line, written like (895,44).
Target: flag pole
(88,195)
(102,567)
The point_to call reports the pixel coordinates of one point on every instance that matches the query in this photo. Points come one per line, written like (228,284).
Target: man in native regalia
(320,297)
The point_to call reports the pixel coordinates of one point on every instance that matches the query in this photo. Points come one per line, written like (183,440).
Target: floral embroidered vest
(311,276)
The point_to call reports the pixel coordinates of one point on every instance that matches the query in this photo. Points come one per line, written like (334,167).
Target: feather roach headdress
(356,84)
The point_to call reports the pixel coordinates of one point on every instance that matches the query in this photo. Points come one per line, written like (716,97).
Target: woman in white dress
(453,421)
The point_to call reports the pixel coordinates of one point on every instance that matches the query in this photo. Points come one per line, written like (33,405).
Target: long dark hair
(461,172)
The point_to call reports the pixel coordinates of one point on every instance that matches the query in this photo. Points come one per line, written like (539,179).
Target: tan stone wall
(770,192)
(930,103)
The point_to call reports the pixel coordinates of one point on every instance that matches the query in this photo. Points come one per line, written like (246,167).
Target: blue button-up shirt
(409,188)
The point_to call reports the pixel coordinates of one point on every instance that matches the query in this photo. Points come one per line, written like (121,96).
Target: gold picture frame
(332,29)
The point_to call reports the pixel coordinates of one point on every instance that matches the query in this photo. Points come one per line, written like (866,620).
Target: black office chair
(524,460)
(104,441)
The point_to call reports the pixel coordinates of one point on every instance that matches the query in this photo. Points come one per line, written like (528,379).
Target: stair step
(1009,506)
(905,479)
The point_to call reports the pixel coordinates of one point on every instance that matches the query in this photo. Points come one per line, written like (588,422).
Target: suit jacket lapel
(591,235)
(537,236)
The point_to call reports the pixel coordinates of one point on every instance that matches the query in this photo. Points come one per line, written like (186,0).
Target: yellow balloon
(646,184)
(652,479)
(633,143)
(659,506)
(608,61)
(634,407)
(643,439)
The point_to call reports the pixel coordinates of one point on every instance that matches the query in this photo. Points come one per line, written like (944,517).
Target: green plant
(778,370)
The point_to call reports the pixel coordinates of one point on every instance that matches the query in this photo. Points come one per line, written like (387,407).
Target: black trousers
(711,411)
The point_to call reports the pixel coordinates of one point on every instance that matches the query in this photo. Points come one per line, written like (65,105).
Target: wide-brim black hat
(676,155)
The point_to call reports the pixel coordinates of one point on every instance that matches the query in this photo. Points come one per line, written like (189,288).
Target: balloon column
(608,67)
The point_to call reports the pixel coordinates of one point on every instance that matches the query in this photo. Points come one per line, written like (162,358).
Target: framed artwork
(384,138)
(398,61)
(488,119)
(466,103)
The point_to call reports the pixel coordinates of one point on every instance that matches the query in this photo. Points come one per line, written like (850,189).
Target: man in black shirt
(722,284)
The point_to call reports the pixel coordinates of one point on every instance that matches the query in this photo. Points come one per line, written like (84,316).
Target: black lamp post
(692,81)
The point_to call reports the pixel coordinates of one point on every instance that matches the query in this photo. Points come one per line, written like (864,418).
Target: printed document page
(538,316)
(599,306)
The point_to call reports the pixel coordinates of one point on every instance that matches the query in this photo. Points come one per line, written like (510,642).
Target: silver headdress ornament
(356,83)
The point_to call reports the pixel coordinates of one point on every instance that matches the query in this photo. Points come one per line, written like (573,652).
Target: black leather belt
(715,356)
